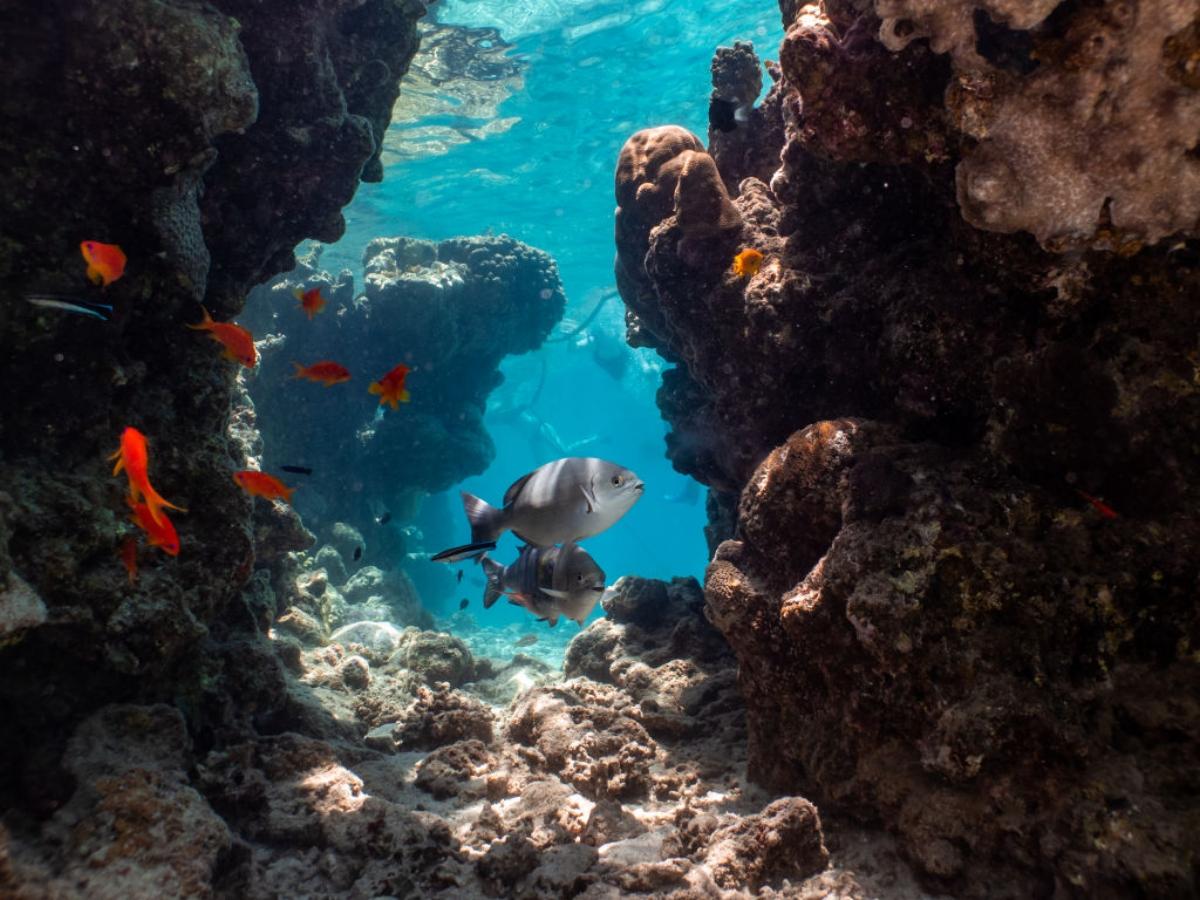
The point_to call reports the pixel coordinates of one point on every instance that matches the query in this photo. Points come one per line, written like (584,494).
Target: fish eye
(617,479)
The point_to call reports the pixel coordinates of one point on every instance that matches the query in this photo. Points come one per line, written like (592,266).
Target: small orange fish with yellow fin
(311,300)
(237,341)
(105,262)
(260,484)
(747,263)
(390,387)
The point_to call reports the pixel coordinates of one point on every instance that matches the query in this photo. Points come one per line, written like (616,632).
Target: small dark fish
(527,641)
(99,311)
(357,553)
(385,518)
(297,470)
(463,603)
(459,576)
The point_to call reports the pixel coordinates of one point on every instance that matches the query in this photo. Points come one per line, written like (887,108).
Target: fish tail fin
(487,522)
(375,388)
(493,570)
(404,396)
(298,293)
(204,323)
(299,373)
(287,494)
(156,503)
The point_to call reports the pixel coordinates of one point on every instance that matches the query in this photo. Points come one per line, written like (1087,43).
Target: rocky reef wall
(206,139)
(975,315)
(451,311)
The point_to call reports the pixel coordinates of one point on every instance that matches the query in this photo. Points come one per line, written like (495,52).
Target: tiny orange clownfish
(1099,505)
(260,484)
(390,387)
(160,534)
(747,263)
(134,457)
(325,372)
(311,300)
(237,341)
(106,262)
(128,554)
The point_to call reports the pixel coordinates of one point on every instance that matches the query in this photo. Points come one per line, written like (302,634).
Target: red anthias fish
(390,387)
(128,554)
(1099,505)
(161,533)
(260,484)
(311,301)
(106,262)
(134,457)
(237,341)
(325,372)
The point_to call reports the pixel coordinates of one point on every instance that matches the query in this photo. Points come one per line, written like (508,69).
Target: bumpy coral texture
(935,628)
(1084,125)
(206,139)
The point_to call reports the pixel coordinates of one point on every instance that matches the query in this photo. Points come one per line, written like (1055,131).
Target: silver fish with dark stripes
(566,500)
(548,581)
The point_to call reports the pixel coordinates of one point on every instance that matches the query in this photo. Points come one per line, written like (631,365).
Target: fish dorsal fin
(515,488)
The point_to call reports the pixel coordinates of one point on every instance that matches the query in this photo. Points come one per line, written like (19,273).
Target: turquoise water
(594,74)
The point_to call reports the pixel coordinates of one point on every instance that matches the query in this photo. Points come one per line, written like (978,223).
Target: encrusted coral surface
(205,139)
(937,627)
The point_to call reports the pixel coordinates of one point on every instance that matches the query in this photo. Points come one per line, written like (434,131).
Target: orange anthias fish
(260,484)
(134,458)
(325,372)
(160,534)
(1099,505)
(390,387)
(311,301)
(129,555)
(237,341)
(106,262)
(747,263)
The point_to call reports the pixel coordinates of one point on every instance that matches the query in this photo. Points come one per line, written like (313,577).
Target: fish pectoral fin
(561,595)
(589,497)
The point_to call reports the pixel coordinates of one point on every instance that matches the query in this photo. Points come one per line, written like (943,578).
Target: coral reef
(906,418)
(352,790)
(264,117)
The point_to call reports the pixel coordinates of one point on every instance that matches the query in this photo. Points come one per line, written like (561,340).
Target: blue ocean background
(593,75)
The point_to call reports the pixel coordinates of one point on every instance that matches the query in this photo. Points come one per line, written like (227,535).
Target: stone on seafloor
(380,638)
(20,608)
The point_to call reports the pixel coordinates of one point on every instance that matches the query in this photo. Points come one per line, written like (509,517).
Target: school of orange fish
(106,263)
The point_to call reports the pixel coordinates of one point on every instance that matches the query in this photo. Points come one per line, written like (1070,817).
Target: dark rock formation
(451,311)
(936,629)
(205,139)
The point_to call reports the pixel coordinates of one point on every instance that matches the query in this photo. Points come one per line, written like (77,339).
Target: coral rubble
(906,418)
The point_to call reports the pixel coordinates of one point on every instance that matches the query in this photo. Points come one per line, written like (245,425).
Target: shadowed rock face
(205,140)
(935,629)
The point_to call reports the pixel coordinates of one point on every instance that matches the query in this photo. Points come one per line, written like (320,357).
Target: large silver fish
(548,581)
(565,500)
